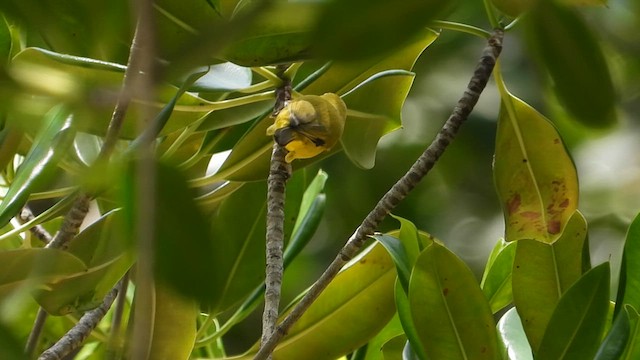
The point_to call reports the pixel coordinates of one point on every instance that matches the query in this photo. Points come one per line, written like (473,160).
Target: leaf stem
(399,190)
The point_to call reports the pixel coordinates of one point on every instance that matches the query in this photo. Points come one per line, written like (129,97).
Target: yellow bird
(309,125)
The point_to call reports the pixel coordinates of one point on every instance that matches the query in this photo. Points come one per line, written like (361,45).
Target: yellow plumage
(309,125)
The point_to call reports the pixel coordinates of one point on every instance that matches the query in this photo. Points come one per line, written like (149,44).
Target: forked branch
(399,190)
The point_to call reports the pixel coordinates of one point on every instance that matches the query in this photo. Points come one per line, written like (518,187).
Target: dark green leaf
(613,345)
(392,349)
(449,310)
(356,29)
(399,255)
(568,50)
(5,41)
(41,162)
(630,276)
(11,347)
(184,249)
(575,328)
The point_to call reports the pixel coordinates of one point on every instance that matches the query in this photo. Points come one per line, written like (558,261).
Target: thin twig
(399,190)
(34,335)
(279,173)
(37,230)
(71,223)
(76,336)
(115,343)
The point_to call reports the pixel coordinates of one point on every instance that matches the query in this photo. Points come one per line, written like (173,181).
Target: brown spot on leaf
(530,214)
(514,204)
(564,204)
(553,227)
(556,141)
(445,291)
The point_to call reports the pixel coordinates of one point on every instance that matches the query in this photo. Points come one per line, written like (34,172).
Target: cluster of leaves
(59,84)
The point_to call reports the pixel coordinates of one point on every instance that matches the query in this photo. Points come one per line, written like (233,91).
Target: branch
(37,230)
(279,173)
(76,336)
(399,190)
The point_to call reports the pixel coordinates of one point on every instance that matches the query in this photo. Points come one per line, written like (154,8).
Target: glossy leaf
(40,164)
(575,328)
(542,273)
(613,345)
(630,276)
(356,29)
(496,280)
(567,48)
(340,320)
(399,255)
(249,159)
(107,256)
(223,77)
(513,338)
(449,310)
(535,177)
(29,268)
(174,325)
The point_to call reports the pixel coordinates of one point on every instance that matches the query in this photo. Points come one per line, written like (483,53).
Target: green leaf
(376,346)
(397,252)
(632,351)
(513,338)
(11,346)
(630,271)
(280,34)
(340,320)
(535,177)
(375,111)
(575,328)
(40,164)
(100,29)
(613,345)
(357,29)
(403,308)
(5,41)
(542,273)
(30,268)
(184,251)
(223,77)
(496,280)
(174,325)
(10,139)
(392,349)
(449,310)
(107,257)
(566,47)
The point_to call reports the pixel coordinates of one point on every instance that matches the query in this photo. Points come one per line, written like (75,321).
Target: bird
(309,125)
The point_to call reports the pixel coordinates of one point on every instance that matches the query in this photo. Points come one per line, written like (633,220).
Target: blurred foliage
(574,97)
